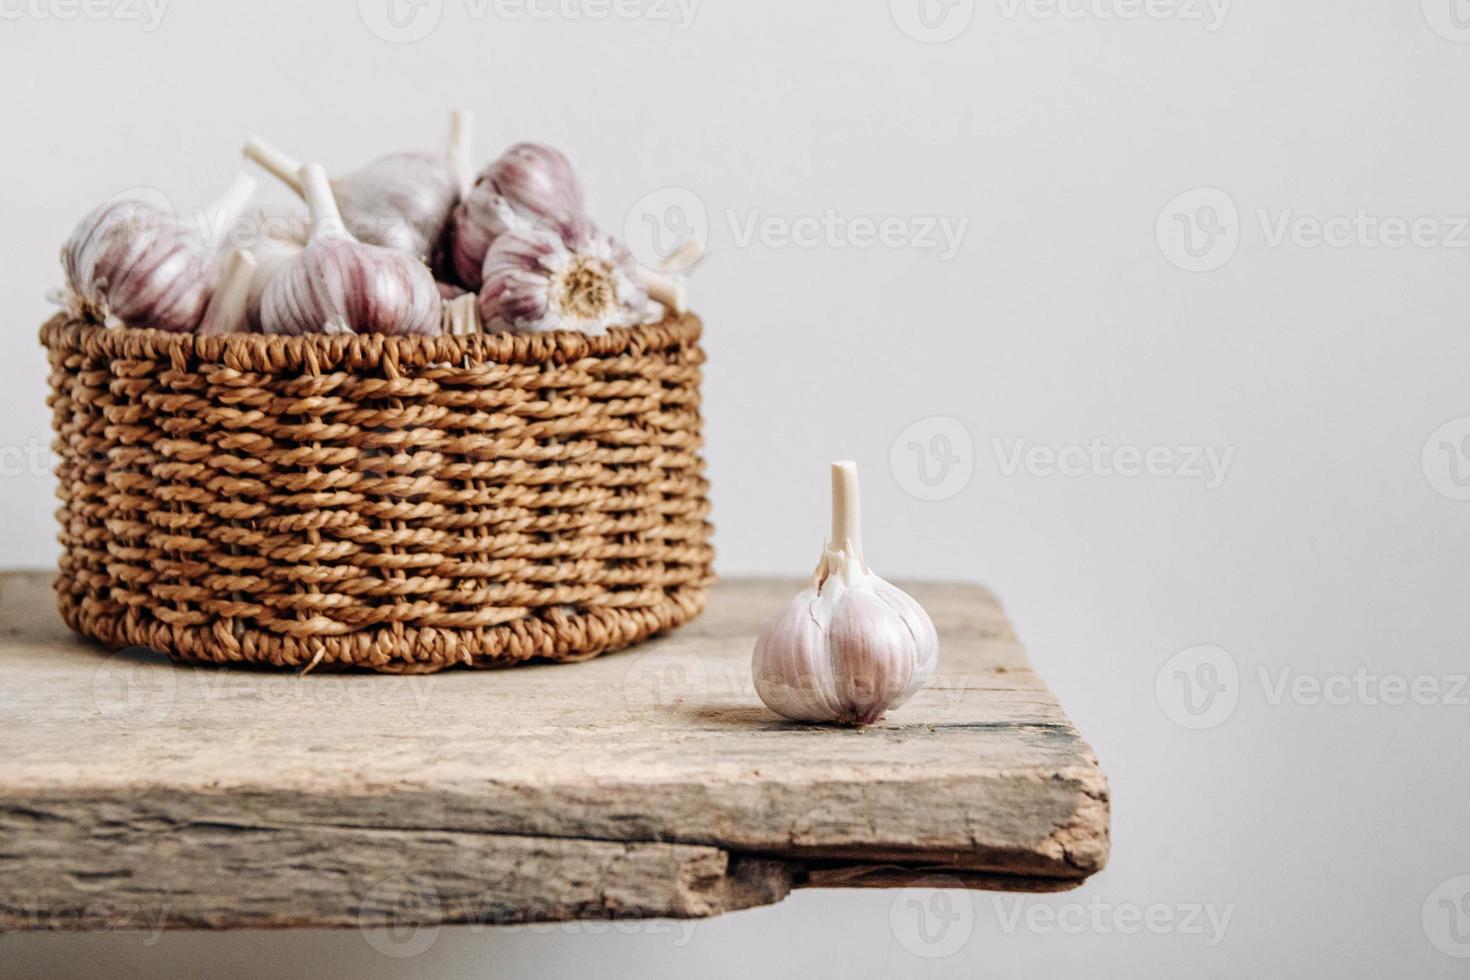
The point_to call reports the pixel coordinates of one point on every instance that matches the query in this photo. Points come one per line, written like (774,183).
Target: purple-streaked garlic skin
(129,263)
(845,650)
(574,277)
(401,201)
(337,285)
(529,184)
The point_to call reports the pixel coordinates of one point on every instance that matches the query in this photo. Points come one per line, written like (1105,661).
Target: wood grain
(647,783)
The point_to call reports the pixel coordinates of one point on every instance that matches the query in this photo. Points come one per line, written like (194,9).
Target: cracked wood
(646,783)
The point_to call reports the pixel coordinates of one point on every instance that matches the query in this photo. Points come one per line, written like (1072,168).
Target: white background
(1065,317)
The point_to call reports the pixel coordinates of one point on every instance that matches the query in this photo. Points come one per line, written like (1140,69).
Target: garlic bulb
(132,263)
(851,646)
(280,235)
(402,200)
(228,307)
(572,278)
(338,284)
(529,184)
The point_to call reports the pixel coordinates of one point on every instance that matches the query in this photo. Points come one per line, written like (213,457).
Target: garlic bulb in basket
(569,278)
(279,235)
(401,200)
(529,184)
(130,262)
(338,284)
(851,646)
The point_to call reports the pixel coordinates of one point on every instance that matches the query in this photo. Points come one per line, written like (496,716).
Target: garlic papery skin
(850,647)
(402,200)
(132,263)
(228,307)
(576,278)
(529,184)
(338,284)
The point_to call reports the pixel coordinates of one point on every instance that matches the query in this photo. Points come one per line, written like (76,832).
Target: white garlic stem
(326,219)
(846,520)
(461,138)
(280,165)
(665,284)
(220,215)
(667,290)
(682,257)
(227,308)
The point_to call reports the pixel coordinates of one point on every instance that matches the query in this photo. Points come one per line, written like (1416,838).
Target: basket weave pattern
(402,504)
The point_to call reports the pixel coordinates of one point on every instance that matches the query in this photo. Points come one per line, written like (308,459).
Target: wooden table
(641,784)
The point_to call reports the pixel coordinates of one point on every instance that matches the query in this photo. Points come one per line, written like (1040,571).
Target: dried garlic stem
(227,308)
(846,530)
(326,219)
(227,206)
(461,136)
(284,167)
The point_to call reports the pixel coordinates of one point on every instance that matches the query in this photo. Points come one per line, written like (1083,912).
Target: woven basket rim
(316,352)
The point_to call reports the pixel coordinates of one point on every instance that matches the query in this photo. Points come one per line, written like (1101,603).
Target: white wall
(1327,549)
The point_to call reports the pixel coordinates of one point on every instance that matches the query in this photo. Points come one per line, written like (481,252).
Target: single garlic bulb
(279,236)
(132,263)
(402,200)
(529,184)
(228,307)
(338,284)
(851,646)
(573,278)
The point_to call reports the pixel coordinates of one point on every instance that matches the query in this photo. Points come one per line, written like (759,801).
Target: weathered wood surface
(646,783)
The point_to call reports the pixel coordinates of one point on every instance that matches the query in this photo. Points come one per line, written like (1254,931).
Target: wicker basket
(402,504)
